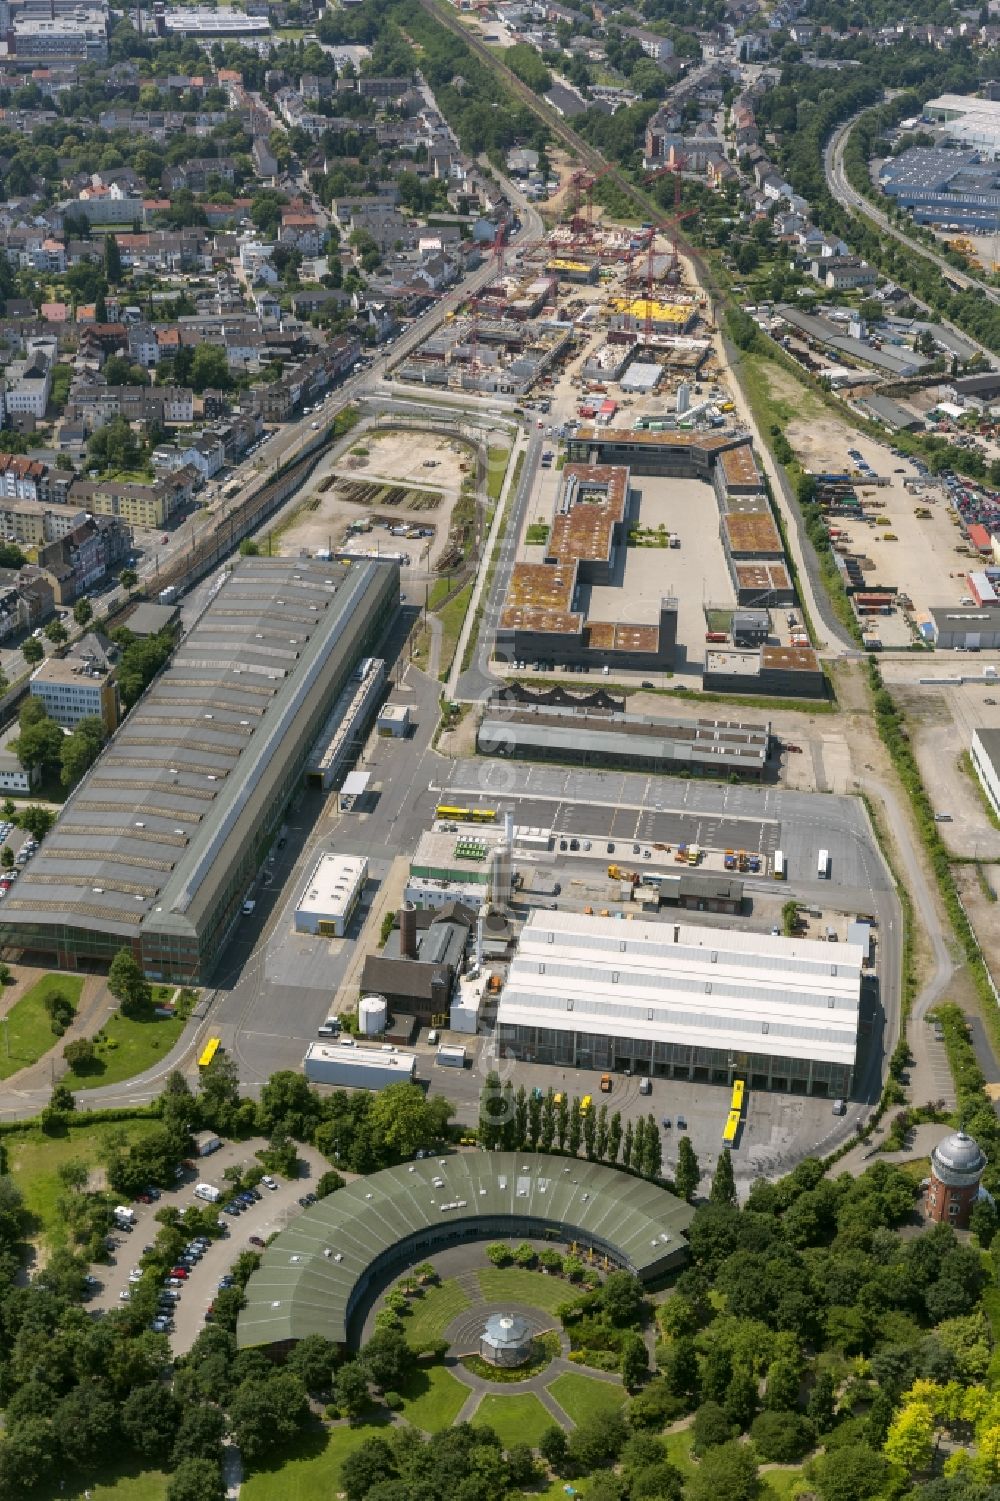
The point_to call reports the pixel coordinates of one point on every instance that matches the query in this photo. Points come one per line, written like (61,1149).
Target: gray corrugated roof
(301,1289)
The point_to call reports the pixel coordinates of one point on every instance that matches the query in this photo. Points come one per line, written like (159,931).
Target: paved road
(843,192)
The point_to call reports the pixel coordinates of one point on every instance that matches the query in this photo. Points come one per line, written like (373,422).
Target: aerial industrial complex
(157,846)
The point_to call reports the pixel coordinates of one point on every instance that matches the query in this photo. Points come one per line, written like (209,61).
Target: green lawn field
(28,1030)
(434,1312)
(433,1398)
(582,1397)
(512,1283)
(34,1159)
(517,1419)
(130,1045)
(310,1469)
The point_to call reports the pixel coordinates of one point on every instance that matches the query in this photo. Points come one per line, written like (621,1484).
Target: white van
(208,1192)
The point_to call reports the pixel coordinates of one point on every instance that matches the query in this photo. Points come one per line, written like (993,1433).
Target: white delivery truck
(209,1192)
(823,865)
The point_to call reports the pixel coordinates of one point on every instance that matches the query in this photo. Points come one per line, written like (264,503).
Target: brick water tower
(957,1166)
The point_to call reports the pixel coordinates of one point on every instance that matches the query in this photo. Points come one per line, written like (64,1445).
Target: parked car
(255,1240)
(268,1182)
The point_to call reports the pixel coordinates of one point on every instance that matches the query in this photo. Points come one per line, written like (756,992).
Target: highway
(856,203)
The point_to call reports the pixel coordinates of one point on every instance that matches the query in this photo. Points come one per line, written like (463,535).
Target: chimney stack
(408,931)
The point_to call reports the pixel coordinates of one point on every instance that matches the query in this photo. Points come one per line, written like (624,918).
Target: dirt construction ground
(940,722)
(408,461)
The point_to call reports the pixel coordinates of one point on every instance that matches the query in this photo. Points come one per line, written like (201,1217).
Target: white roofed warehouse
(681,1001)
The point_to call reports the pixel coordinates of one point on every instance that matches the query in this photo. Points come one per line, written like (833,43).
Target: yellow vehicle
(736,1103)
(211,1047)
(605,1083)
(586,1103)
(732,1126)
(557,1099)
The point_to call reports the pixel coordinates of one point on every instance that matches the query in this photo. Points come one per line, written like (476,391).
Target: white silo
(373,1013)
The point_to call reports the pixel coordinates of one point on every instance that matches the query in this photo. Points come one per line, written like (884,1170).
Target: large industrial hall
(682,1001)
(156,847)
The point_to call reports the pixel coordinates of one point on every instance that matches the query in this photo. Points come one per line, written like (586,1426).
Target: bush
(781,1437)
(393,1401)
(499,1254)
(710,1428)
(525,1255)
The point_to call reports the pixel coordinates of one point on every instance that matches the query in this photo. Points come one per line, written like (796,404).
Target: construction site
(608,301)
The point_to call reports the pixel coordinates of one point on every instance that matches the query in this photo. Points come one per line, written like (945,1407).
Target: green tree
(201,1427)
(548,1121)
(490,1105)
(7,857)
(781,1437)
(36,820)
(710,1428)
(562,1120)
(210,368)
(723,1190)
(32,651)
(910,1440)
(782,1388)
(822,1403)
(851,1472)
(267,1413)
(575,1126)
(553,1448)
(614,1137)
(128,578)
(39,746)
(150,1415)
(534,1120)
(633,1360)
(81,749)
(652,1150)
(520,1118)
(687,1174)
(729,1470)
(128,984)
(112,260)
(351,1389)
(85,1424)
(80,1054)
(628,1144)
(83,612)
(314,1359)
(196,1480)
(56,632)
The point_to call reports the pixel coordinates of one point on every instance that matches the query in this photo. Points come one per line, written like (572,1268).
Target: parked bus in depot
(823,865)
(211,1047)
(736,1103)
(779,865)
(467,815)
(732,1126)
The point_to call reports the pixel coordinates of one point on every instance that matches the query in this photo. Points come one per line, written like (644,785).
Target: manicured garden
(513,1284)
(583,1398)
(431,1313)
(433,1398)
(27,1030)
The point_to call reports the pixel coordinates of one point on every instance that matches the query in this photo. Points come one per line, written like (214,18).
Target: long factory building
(157,846)
(679,1001)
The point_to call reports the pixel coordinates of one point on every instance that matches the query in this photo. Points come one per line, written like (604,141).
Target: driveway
(274,1211)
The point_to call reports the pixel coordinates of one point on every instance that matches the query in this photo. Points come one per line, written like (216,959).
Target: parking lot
(263,1219)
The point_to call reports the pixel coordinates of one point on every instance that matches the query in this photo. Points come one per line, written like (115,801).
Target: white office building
(674,1000)
(332,892)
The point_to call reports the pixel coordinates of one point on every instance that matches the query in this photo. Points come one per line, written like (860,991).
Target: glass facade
(675,1060)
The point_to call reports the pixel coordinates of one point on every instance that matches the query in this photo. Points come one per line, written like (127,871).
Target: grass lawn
(129,1044)
(114,1484)
(28,1031)
(780,1482)
(434,1311)
(679,1451)
(310,1469)
(496,468)
(433,1398)
(517,1420)
(514,1283)
(33,1159)
(582,1397)
(452,618)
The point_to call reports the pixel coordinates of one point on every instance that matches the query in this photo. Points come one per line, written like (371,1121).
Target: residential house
(26,599)
(82,557)
(843,273)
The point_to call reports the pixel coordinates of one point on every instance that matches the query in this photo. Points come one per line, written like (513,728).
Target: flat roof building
(984,753)
(587,736)
(156,847)
(979,626)
(80,685)
(679,1001)
(331,894)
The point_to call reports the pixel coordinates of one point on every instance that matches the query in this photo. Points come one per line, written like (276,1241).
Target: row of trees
(44,747)
(511,1120)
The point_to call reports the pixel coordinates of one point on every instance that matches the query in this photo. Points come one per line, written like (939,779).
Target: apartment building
(81,685)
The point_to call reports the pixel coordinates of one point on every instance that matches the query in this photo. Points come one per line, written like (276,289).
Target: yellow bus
(212,1046)
(732,1126)
(737,1101)
(466,815)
